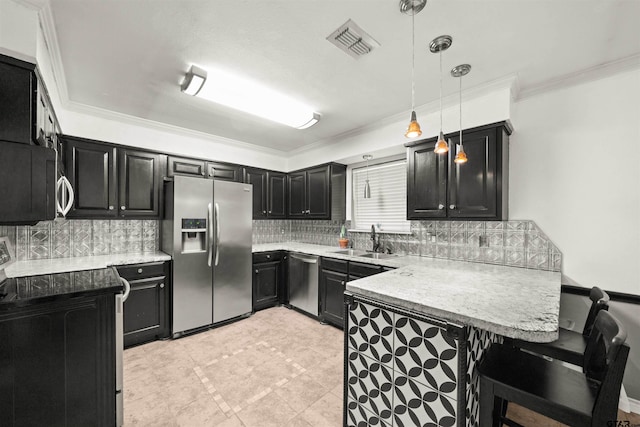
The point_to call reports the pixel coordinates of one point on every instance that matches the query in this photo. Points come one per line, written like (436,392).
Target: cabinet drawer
(363,270)
(333,264)
(133,272)
(224,171)
(260,257)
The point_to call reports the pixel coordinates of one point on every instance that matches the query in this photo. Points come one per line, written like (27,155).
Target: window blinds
(387,207)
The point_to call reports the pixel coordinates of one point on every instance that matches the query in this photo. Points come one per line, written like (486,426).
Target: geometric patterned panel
(478,340)
(419,405)
(370,384)
(425,353)
(371,332)
(357,416)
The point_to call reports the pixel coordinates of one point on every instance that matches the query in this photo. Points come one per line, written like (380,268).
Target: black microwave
(27,183)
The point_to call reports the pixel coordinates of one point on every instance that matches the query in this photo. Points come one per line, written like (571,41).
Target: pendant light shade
(438,45)
(460,71)
(367,187)
(412,7)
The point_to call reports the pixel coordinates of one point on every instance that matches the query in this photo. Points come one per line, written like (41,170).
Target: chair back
(605,361)
(599,301)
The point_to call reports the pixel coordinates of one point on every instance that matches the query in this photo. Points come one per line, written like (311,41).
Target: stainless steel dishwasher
(303,282)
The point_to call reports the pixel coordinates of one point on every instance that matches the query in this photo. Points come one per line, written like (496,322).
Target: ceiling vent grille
(353,40)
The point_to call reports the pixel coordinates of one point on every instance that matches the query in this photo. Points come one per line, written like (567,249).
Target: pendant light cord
(460,111)
(440,89)
(413,61)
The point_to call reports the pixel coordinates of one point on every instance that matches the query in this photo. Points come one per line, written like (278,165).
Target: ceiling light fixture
(460,71)
(367,188)
(248,96)
(438,45)
(412,7)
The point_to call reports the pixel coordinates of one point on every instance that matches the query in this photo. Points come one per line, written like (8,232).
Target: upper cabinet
(224,171)
(112,182)
(203,168)
(269,190)
(437,187)
(317,193)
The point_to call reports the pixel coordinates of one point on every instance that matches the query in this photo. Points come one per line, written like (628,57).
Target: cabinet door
(318,193)
(188,167)
(91,169)
(473,185)
(145,311)
(332,285)
(139,184)
(224,171)
(258,178)
(17,87)
(296,191)
(265,284)
(277,190)
(426,182)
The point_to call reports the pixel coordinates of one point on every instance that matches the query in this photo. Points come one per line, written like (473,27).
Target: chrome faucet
(375,239)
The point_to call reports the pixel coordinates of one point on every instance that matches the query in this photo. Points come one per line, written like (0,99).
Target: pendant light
(367,188)
(412,7)
(460,71)
(438,45)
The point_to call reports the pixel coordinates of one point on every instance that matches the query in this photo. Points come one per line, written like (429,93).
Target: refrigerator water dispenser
(194,235)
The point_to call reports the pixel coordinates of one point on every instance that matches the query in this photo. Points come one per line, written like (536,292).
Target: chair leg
(488,405)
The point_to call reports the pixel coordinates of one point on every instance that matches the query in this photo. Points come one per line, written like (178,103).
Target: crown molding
(48,27)
(594,73)
(80,108)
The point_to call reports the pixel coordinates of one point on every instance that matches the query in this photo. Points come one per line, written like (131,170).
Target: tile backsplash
(64,238)
(512,243)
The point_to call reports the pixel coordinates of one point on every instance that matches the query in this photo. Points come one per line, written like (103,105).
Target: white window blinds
(387,207)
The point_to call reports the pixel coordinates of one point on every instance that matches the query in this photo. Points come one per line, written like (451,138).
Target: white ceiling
(129,56)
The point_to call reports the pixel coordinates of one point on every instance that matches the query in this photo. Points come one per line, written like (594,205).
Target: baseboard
(634,405)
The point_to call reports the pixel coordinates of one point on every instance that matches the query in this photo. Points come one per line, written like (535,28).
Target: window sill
(379,231)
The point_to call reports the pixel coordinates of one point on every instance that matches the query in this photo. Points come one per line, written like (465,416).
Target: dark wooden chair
(570,345)
(588,398)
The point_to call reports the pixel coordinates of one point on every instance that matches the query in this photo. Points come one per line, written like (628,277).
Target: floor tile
(327,411)
(269,411)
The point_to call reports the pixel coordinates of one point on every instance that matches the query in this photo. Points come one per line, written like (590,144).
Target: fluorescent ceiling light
(250,97)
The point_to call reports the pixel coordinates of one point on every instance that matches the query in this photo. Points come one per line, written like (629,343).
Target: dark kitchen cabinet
(58,363)
(140,183)
(437,187)
(224,171)
(111,182)
(269,193)
(28,177)
(146,311)
(317,193)
(92,170)
(268,274)
(332,282)
(183,166)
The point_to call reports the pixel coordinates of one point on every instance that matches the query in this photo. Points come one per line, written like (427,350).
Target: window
(387,207)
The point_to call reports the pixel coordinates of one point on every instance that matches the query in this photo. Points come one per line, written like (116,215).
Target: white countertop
(509,301)
(62,265)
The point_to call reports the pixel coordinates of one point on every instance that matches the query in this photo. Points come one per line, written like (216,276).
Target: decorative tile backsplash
(512,243)
(64,238)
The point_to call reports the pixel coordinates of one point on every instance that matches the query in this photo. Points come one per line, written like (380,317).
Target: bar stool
(570,345)
(588,398)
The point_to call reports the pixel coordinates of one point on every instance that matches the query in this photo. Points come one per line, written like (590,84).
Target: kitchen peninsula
(415,334)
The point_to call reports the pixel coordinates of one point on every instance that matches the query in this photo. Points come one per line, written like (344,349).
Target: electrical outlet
(483,242)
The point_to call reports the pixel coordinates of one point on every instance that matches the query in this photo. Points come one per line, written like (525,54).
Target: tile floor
(276,368)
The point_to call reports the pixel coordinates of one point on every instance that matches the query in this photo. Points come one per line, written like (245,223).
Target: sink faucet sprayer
(375,239)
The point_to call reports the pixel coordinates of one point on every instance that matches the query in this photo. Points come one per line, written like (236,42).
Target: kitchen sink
(352,252)
(377,255)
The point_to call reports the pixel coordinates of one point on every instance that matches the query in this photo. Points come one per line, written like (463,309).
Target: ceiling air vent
(352,39)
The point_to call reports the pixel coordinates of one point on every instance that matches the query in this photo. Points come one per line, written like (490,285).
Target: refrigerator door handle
(210,234)
(217,233)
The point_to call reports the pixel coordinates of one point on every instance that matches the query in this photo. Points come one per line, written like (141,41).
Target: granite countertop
(62,265)
(509,301)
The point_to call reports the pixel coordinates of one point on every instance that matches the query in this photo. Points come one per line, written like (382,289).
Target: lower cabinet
(146,311)
(268,279)
(57,363)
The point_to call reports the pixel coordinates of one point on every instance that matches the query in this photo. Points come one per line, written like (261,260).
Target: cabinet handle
(303,211)
(268,256)
(161,285)
(452,206)
(269,211)
(264,212)
(308,211)
(123,208)
(110,208)
(440,206)
(140,270)
(342,283)
(256,271)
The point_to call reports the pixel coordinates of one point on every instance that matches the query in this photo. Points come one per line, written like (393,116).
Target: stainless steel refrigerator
(207,231)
